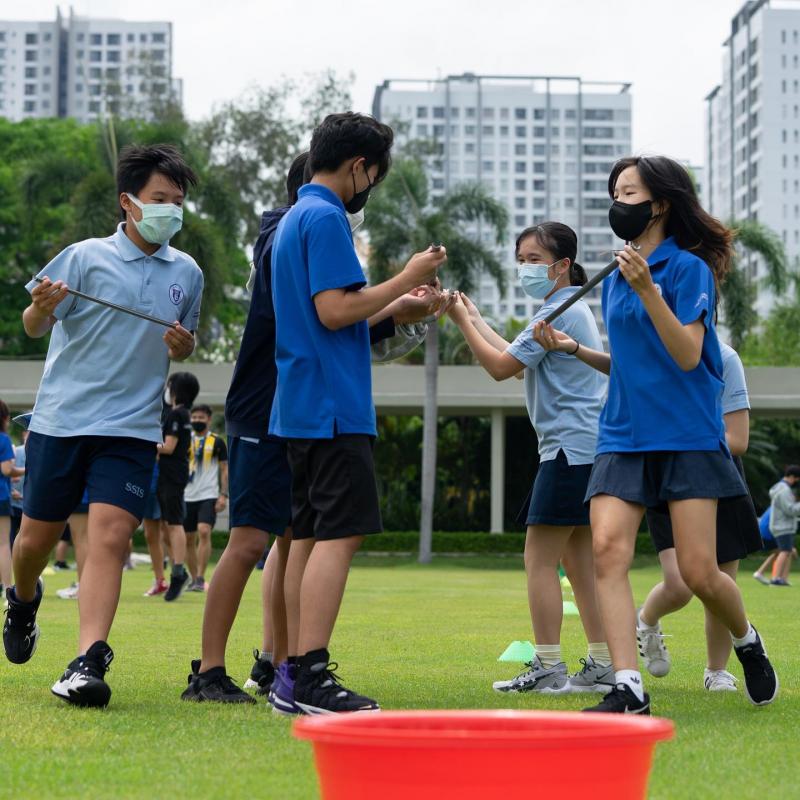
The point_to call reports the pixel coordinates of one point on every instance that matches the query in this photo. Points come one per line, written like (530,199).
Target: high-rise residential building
(752,136)
(543,146)
(84,67)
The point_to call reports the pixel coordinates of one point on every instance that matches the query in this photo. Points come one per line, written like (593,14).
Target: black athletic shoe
(82,683)
(178,581)
(20,632)
(622,700)
(760,681)
(318,691)
(261,675)
(213,686)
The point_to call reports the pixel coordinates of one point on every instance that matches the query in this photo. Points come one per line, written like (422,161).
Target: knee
(246,549)
(700,579)
(611,556)
(676,589)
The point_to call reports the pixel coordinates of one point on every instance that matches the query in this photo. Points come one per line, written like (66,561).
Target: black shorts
(556,497)
(170,501)
(653,479)
(334,494)
(197,512)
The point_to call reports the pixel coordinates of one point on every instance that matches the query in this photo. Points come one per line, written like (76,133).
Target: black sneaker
(760,681)
(261,675)
(178,581)
(20,632)
(622,700)
(213,686)
(82,683)
(318,691)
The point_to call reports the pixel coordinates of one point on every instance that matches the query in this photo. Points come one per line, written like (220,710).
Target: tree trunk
(429,441)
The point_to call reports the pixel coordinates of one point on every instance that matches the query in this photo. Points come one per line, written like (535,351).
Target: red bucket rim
(368,729)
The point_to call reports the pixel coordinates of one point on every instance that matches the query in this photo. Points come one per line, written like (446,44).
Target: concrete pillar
(498,470)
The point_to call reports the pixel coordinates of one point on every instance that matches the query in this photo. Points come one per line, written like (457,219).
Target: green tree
(401,219)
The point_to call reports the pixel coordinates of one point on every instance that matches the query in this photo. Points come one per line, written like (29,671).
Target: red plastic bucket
(477,755)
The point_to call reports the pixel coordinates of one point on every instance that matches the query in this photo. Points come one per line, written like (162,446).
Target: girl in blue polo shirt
(564,399)
(661,439)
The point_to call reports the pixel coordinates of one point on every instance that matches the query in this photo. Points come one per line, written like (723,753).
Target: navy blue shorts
(785,542)
(654,479)
(556,497)
(112,469)
(5,508)
(259,484)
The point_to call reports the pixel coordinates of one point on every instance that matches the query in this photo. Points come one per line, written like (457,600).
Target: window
(113,56)
(538,113)
(2,36)
(95,56)
(95,73)
(46,88)
(469,148)
(157,55)
(538,149)
(79,54)
(520,113)
(31,38)
(130,37)
(520,130)
(538,167)
(520,167)
(438,183)
(487,130)
(31,55)
(504,130)
(30,72)
(520,149)
(142,37)
(159,38)
(538,186)
(95,90)
(30,89)
(519,221)
(591,132)
(113,39)
(598,113)
(504,166)
(29,106)
(454,113)
(112,73)
(519,310)
(422,130)
(422,112)
(470,112)
(438,131)
(469,130)
(539,132)
(554,113)
(487,166)
(504,113)
(519,185)
(45,104)
(488,113)
(94,106)
(78,88)
(570,113)
(96,38)
(521,202)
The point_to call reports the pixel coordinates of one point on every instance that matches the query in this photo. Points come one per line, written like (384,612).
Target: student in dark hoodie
(260,478)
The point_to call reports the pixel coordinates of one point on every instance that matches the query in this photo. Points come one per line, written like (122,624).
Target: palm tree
(400,220)
(739,292)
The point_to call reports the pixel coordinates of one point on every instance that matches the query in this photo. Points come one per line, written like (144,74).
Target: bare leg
(544,545)
(578,563)
(267,583)
(79,525)
(110,528)
(5,552)
(203,548)
(670,595)
(718,637)
(299,553)
(62,550)
(614,526)
(694,527)
(788,567)
(767,562)
(322,590)
(238,560)
(177,544)
(152,535)
(32,548)
(165,540)
(277,601)
(783,563)
(191,553)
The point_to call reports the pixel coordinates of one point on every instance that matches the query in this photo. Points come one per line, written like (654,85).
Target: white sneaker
(70,593)
(592,678)
(719,680)
(652,648)
(761,579)
(537,678)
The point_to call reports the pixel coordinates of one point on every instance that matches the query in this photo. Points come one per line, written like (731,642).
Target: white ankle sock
(549,654)
(598,652)
(632,679)
(642,624)
(748,638)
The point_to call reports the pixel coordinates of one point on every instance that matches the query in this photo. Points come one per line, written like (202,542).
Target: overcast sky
(670,51)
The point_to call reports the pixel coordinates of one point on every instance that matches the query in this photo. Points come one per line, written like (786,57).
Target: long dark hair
(5,414)
(562,242)
(693,228)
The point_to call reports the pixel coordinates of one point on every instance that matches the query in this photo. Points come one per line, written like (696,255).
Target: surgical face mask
(159,222)
(356,220)
(198,426)
(359,199)
(630,220)
(534,280)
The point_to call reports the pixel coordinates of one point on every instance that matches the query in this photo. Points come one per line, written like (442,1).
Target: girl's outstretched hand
(552,340)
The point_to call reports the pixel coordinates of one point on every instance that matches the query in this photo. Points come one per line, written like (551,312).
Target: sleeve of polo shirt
(332,260)
(734,393)
(191,319)
(64,267)
(694,292)
(6,448)
(525,348)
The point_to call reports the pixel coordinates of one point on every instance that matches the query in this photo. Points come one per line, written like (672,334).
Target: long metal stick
(116,307)
(582,292)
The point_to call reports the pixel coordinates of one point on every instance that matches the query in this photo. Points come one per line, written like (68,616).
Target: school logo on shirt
(702,299)
(176,294)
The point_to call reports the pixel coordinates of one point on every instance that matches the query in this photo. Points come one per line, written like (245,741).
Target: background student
(783,513)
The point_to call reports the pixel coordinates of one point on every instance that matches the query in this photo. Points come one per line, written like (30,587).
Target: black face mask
(630,220)
(198,427)
(359,199)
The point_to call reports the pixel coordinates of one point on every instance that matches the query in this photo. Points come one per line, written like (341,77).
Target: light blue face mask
(159,222)
(534,280)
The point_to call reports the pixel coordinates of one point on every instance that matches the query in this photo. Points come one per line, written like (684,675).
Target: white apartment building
(752,136)
(84,67)
(543,146)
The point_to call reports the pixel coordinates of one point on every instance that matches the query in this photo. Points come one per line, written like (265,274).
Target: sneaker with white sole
(261,675)
(760,681)
(70,593)
(20,631)
(158,587)
(83,682)
(537,678)
(761,579)
(652,648)
(281,695)
(622,700)
(593,677)
(719,680)
(319,690)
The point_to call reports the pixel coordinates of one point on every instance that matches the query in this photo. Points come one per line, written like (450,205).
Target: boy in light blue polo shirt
(96,419)
(323,401)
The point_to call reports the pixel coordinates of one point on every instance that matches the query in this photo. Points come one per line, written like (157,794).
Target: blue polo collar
(323,192)
(130,252)
(664,252)
(562,294)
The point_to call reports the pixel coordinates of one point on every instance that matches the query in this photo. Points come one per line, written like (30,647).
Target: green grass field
(412,637)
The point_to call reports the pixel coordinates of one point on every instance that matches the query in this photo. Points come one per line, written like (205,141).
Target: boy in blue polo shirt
(96,419)
(323,401)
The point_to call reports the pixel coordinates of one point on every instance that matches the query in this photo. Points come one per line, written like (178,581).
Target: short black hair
(340,137)
(296,177)
(137,163)
(184,388)
(792,471)
(203,409)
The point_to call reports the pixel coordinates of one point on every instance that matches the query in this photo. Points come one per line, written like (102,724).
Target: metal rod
(582,292)
(116,307)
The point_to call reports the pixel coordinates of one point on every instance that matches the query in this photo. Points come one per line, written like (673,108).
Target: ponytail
(577,274)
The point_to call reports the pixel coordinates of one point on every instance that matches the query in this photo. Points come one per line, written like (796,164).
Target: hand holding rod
(116,307)
(582,292)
